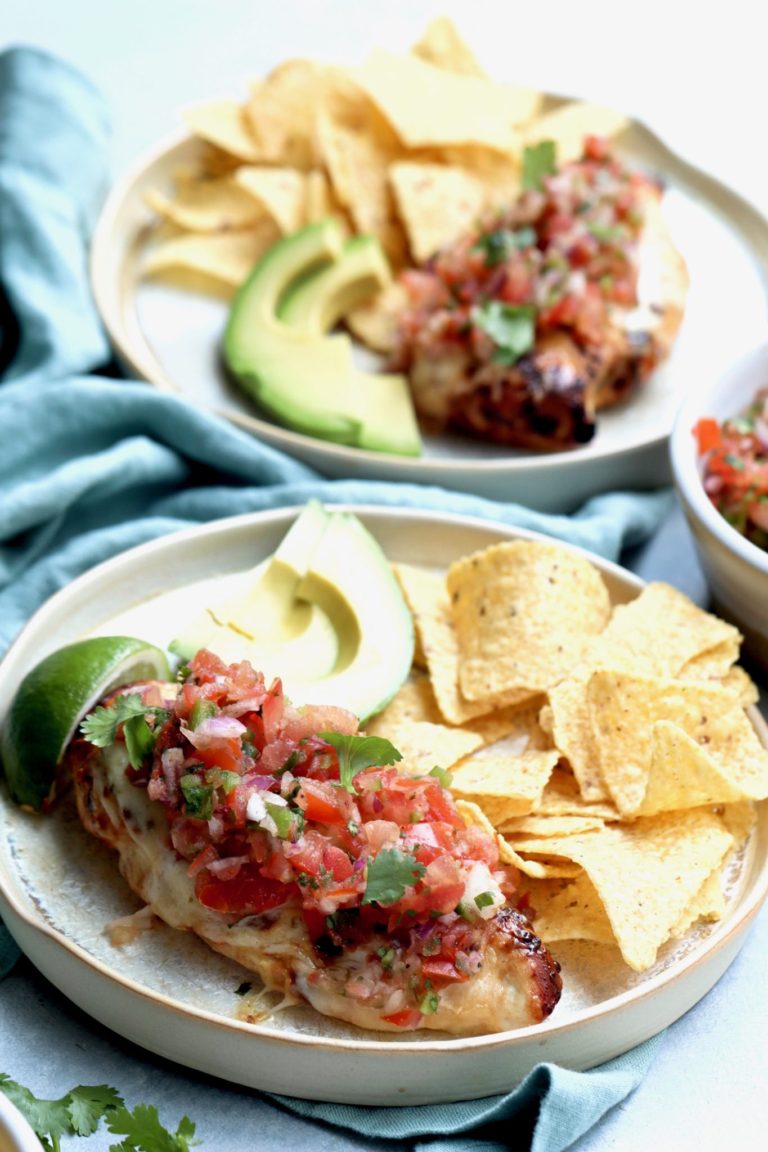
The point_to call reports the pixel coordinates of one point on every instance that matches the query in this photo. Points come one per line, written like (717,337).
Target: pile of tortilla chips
(412,148)
(607,745)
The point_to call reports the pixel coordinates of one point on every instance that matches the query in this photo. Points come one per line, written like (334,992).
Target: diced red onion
(214,728)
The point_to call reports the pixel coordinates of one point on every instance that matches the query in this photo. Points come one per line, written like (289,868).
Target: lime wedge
(54,697)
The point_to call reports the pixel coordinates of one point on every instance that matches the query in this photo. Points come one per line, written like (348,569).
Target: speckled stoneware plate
(169,993)
(171,338)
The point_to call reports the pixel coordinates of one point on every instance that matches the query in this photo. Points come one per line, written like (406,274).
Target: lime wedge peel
(54,697)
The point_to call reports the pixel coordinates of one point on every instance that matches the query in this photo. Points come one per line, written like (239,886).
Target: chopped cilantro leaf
(539,160)
(512,327)
(498,245)
(355,753)
(100,727)
(139,740)
(389,874)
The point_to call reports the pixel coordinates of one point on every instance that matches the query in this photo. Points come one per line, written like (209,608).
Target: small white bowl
(16,1135)
(736,570)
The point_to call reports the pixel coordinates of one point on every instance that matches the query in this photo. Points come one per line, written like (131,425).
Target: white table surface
(695,76)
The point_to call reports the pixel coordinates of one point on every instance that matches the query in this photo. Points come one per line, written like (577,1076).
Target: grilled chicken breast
(360,963)
(590,265)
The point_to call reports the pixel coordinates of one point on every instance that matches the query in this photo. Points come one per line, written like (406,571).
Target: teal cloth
(91,465)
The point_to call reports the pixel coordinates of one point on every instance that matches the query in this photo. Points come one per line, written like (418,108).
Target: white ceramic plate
(169,993)
(171,337)
(16,1135)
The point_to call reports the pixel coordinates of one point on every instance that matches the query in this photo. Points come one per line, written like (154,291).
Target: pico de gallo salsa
(558,258)
(270,805)
(734,455)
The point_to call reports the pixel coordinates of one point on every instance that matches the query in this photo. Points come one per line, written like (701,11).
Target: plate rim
(721,937)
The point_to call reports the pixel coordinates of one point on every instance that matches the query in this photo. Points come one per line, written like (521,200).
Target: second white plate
(171,338)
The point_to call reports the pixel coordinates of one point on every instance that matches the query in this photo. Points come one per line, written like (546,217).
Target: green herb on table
(82,1109)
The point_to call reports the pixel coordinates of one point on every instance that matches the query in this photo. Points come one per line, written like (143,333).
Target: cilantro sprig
(390,872)
(81,1110)
(512,327)
(100,726)
(355,753)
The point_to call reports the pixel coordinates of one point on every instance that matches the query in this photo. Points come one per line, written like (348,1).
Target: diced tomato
(707,433)
(248,894)
(441,971)
(517,286)
(406,1018)
(596,147)
(324,804)
(224,754)
(202,860)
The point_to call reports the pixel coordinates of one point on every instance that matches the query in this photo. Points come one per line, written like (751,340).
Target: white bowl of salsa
(719,453)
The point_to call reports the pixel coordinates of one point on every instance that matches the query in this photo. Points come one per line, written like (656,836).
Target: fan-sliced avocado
(279,346)
(325,613)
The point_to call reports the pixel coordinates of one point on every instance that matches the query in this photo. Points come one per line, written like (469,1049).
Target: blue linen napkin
(91,465)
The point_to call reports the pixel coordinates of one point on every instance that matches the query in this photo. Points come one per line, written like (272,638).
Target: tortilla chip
(430,106)
(707,904)
(225,124)
(630,641)
(472,813)
(503,783)
(357,147)
(562,797)
(415,700)
(203,205)
(568,125)
(524,612)
(713,663)
(442,45)
(374,324)
(534,824)
(427,597)
(570,910)
(219,261)
(424,745)
(645,874)
(282,111)
(682,774)
(625,712)
(740,819)
(437,204)
(631,638)
(280,193)
(517,725)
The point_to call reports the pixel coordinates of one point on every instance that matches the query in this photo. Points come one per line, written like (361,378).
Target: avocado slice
(325,613)
(315,303)
(267,621)
(351,579)
(301,380)
(277,342)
